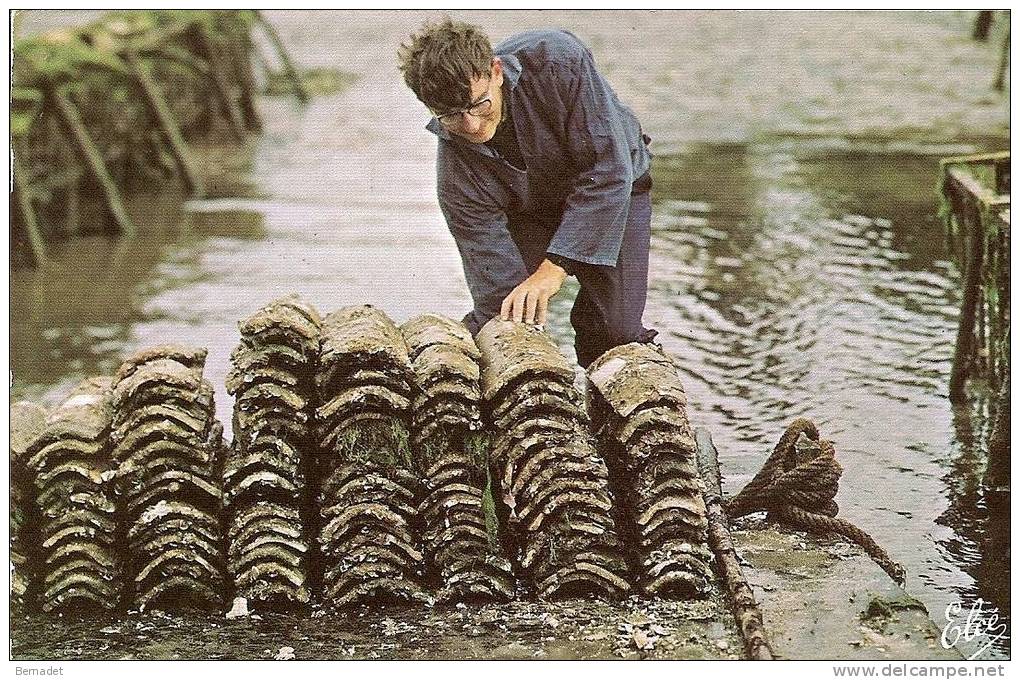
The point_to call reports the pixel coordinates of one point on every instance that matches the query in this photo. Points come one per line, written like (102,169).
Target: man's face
(476,122)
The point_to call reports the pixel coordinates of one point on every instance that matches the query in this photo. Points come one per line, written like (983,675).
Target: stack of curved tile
(552,478)
(28,422)
(368,497)
(638,406)
(460,546)
(272,379)
(169,448)
(73,472)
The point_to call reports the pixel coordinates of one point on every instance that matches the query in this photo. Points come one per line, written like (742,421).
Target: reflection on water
(790,285)
(793,274)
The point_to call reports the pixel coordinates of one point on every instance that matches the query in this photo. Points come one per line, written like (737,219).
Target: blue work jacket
(583,150)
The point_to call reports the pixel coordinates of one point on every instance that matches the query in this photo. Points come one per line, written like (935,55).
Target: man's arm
(598,135)
(493,265)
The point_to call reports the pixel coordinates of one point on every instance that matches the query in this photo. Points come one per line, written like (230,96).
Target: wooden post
(741,597)
(963,354)
(37,247)
(164,118)
(92,159)
(1000,72)
(1003,299)
(1002,183)
(993,350)
(239,45)
(220,83)
(288,66)
(983,24)
(997,474)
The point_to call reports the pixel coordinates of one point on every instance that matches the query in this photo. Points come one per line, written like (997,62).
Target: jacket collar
(511,74)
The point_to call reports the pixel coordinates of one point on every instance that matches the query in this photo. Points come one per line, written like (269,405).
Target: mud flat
(819,601)
(828,600)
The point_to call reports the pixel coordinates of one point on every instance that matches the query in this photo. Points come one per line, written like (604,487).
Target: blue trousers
(611,301)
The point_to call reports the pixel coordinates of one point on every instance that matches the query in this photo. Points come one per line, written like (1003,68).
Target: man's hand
(529,301)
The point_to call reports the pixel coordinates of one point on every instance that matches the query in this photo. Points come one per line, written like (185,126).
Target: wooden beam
(966,181)
(92,159)
(164,118)
(976,158)
(741,597)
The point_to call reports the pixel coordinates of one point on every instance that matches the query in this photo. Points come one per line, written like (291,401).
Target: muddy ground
(820,600)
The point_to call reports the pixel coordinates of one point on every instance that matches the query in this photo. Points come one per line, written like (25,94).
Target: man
(541,172)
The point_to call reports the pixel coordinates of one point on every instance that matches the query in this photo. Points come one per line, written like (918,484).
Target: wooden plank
(92,159)
(969,183)
(986,157)
(741,596)
(37,247)
(164,117)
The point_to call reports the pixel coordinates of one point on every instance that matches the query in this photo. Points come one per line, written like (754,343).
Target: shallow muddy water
(798,266)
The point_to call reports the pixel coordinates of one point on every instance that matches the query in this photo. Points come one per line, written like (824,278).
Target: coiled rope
(797,486)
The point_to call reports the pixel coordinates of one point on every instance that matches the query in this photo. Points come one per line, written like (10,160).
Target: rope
(797,486)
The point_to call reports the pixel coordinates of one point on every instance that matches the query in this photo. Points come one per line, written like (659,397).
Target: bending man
(542,173)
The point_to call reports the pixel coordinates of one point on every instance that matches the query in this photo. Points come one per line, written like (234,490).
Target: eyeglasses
(478,109)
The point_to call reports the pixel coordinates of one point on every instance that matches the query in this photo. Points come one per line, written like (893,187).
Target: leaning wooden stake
(962,355)
(24,201)
(168,126)
(240,47)
(92,159)
(220,83)
(281,53)
(741,597)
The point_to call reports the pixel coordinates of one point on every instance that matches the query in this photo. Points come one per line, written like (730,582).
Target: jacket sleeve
(493,265)
(595,212)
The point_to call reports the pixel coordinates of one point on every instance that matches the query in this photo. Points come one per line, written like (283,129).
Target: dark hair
(440,61)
